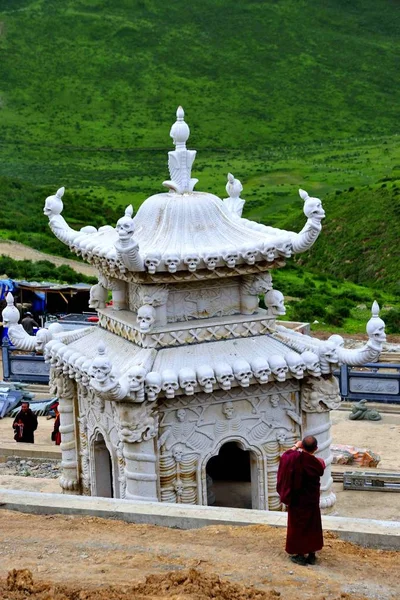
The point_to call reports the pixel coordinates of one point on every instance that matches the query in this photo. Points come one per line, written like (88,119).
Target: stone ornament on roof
(183,233)
(17,334)
(331,353)
(180,161)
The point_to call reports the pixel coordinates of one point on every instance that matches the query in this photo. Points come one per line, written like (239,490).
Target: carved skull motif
(268,252)
(228,410)
(285,248)
(279,367)
(242,372)
(249,255)
(260,368)
(224,375)
(169,382)
(53,204)
(179,489)
(187,380)
(125,225)
(376,330)
(181,415)
(206,378)
(152,385)
(337,340)
(42,337)
(311,361)
(192,261)
(101,367)
(274,400)
(230,257)
(146,317)
(328,351)
(296,364)
(275,302)
(172,261)
(177,453)
(136,376)
(211,261)
(281,436)
(152,261)
(313,208)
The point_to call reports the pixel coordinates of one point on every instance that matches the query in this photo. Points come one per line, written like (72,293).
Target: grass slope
(284,94)
(110,73)
(360,239)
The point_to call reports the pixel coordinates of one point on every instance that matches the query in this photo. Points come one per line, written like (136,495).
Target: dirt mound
(189,584)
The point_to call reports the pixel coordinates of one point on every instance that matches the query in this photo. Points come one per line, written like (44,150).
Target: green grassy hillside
(110,73)
(360,239)
(283,93)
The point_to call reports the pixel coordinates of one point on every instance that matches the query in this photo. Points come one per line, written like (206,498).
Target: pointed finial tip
(180,113)
(230,177)
(129,211)
(303,194)
(10,298)
(101,349)
(375,309)
(60,192)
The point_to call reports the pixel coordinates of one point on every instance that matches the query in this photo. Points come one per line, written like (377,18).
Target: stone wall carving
(252,286)
(201,302)
(320,394)
(201,332)
(193,428)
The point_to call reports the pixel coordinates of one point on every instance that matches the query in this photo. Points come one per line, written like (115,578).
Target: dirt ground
(92,553)
(18,251)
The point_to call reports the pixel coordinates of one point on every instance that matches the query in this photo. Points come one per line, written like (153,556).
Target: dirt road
(21,252)
(90,554)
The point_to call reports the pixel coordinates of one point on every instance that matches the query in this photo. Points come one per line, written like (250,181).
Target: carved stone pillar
(69,480)
(319,396)
(140,471)
(319,425)
(137,429)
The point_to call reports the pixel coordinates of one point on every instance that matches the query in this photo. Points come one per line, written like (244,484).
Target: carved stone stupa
(185,362)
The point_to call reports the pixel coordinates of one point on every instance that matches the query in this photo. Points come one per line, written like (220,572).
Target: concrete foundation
(365,532)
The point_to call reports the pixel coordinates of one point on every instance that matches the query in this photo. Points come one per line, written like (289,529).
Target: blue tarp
(6,285)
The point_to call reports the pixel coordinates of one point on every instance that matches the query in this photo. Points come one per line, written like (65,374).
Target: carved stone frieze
(189,435)
(136,423)
(180,336)
(320,394)
(161,277)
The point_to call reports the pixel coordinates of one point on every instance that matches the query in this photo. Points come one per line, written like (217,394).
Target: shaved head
(310,443)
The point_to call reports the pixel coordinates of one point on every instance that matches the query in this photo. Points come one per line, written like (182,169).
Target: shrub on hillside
(308,310)
(392,320)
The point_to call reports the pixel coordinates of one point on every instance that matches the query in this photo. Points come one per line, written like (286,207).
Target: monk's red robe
(298,486)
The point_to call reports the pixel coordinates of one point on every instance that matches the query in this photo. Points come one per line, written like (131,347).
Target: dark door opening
(102,469)
(229,480)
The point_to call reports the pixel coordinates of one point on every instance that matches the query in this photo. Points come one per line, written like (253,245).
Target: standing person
(25,423)
(55,434)
(28,323)
(298,486)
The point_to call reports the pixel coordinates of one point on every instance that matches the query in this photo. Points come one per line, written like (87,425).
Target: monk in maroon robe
(298,486)
(24,424)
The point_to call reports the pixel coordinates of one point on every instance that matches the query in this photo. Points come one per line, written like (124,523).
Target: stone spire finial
(180,161)
(376,326)
(10,314)
(180,130)
(234,203)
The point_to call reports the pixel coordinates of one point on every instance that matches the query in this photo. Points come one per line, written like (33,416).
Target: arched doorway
(103,482)
(232,477)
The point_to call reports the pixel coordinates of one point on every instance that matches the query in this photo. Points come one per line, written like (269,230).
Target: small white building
(186,381)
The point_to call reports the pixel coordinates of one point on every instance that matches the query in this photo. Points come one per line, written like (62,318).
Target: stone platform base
(365,532)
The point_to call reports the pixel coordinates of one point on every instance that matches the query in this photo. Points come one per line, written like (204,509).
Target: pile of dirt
(188,584)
